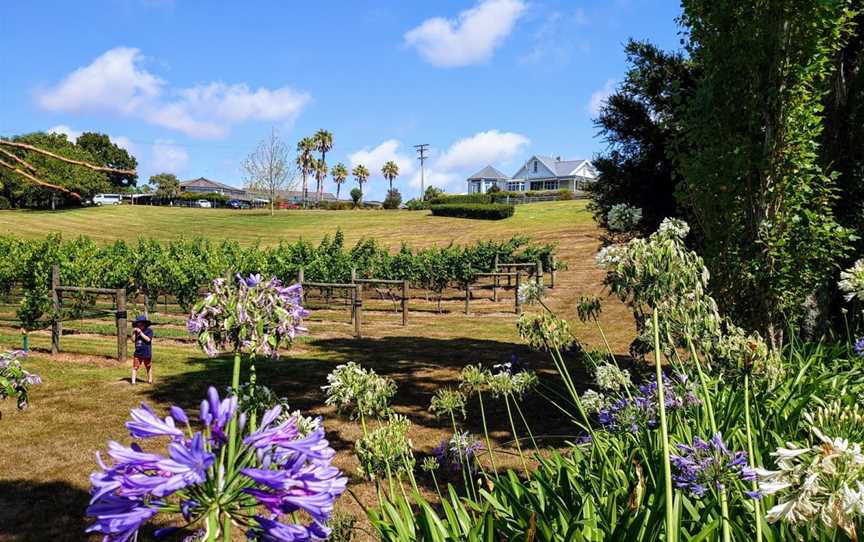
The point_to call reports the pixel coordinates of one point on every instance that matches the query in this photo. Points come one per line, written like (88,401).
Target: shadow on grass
(419,365)
(39,511)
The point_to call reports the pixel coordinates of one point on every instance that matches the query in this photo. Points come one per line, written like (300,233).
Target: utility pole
(421,151)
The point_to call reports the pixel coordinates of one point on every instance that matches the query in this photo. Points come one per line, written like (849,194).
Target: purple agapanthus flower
(514,366)
(458,453)
(706,465)
(641,409)
(282,470)
(859,347)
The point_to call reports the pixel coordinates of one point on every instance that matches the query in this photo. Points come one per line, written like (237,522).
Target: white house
(538,173)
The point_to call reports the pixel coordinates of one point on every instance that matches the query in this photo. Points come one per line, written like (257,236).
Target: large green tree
(639,123)
(749,152)
(108,153)
(166,185)
(62,182)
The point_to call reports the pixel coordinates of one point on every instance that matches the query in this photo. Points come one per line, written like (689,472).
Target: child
(143,337)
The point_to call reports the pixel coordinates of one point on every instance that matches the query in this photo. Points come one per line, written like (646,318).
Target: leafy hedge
(180,268)
(501,196)
(482,211)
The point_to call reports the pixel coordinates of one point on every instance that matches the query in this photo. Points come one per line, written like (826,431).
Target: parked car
(203,203)
(107,199)
(237,204)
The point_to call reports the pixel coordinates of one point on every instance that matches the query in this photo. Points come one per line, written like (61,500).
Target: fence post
(495,281)
(56,323)
(539,278)
(551,270)
(146,306)
(358,311)
(121,324)
(467,296)
(404,302)
(300,278)
(518,302)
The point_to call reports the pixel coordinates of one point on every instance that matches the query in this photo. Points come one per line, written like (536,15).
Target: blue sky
(191,86)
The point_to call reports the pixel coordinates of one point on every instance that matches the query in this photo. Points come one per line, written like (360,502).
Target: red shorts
(138,362)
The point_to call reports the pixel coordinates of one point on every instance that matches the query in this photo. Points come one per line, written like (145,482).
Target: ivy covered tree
(639,124)
(749,153)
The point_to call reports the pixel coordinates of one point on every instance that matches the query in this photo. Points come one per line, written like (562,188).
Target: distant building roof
(201,182)
(488,172)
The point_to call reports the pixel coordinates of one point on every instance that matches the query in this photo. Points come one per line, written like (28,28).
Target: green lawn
(416,227)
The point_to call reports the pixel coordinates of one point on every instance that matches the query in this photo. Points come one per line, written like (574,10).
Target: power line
(421,150)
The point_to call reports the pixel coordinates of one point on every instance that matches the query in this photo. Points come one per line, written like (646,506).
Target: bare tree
(269,169)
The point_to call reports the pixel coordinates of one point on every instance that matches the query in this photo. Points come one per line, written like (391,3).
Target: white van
(107,199)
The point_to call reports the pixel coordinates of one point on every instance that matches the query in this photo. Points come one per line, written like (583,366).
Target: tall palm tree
(390,170)
(360,174)
(320,170)
(323,144)
(339,174)
(306,162)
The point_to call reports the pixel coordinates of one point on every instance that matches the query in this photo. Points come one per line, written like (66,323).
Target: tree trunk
(338,188)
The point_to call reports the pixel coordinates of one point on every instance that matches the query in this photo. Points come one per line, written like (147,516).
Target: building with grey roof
(537,173)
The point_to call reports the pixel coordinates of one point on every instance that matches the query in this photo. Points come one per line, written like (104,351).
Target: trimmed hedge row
(481,211)
(499,197)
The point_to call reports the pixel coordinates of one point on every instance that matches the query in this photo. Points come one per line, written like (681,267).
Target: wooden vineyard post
(495,281)
(358,311)
(518,301)
(353,293)
(146,306)
(467,297)
(551,270)
(404,302)
(56,323)
(122,331)
(539,273)
(300,278)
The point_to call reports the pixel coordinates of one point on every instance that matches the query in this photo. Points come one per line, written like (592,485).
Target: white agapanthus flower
(823,484)
(852,281)
(609,377)
(674,227)
(609,255)
(593,401)
(531,292)
(623,217)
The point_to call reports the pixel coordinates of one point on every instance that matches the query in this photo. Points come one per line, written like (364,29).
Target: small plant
(623,218)
(15,381)
(393,199)
(342,527)
(356,196)
(387,451)
(359,392)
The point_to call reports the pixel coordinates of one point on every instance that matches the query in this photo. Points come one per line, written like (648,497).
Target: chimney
(557,158)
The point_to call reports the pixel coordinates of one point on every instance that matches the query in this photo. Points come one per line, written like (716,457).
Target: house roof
(488,172)
(201,182)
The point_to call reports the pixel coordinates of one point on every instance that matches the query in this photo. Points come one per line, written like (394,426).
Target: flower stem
(515,435)
(756,504)
(486,434)
(232,440)
(671,531)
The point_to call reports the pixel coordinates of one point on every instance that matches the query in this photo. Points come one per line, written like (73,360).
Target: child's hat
(141,319)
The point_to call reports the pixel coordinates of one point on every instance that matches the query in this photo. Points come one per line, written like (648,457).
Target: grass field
(46,452)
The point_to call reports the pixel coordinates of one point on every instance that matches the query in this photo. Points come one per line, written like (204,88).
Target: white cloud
(469,39)
(481,149)
(66,130)
(450,169)
(116,83)
(599,97)
(556,37)
(375,157)
(167,157)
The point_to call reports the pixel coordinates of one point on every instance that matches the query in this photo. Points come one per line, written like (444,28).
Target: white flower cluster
(674,227)
(852,281)
(822,483)
(623,217)
(593,401)
(531,292)
(359,392)
(609,377)
(609,255)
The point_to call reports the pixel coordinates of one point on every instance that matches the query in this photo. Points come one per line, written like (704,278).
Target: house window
(535,166)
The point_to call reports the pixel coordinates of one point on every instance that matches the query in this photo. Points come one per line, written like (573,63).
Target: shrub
(4,203)
(337,205)
(393,199)
(489,211)
(462,198)
(356,194)
(415,204)
(624,218)
(432,192)
(565,194)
